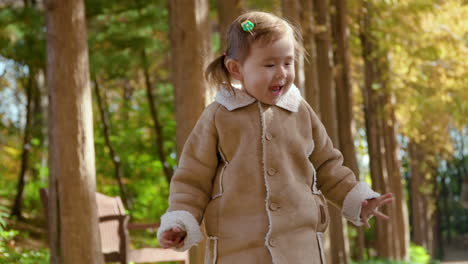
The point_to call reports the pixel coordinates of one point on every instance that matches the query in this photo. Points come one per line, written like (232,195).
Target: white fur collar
(289,101)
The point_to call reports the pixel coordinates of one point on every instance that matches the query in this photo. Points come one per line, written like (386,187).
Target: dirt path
(457,252)
(455,256)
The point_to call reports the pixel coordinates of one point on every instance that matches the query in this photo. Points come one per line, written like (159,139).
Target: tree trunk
(189,50)
(118,169)
(417,200)
(228,10)
(190,53)
(159,138)
(338,251)
(53,214)
(311,86)
(344,101)
(400,212)
(382,149)
(292,12)
(16,209)
(72,133)
(422,200)
(373,140)
(127,95)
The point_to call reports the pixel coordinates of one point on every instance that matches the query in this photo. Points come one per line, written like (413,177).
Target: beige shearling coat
(257,174)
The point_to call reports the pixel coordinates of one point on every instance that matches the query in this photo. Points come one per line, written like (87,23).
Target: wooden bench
(114,230)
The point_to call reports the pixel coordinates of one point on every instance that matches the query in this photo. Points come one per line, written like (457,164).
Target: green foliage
(9,254)
(417,256)
(3,216)
(426,41)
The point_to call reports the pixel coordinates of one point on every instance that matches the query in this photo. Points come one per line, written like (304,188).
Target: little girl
(258,163)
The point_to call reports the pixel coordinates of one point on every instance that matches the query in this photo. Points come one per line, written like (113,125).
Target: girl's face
(268,71)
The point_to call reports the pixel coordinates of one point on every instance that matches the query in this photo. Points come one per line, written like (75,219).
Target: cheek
(292,73)
(260,75)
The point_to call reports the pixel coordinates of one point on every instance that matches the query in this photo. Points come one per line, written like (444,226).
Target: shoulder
(306,108)
(212,108)
(209,113)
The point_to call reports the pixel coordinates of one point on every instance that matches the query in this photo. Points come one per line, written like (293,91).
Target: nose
(281,72)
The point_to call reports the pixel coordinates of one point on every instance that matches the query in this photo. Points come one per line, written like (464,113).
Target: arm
(191,185)
(337,182)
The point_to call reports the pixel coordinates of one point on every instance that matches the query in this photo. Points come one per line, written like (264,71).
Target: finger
(172,244)
(179,232)
(172,236)
(383,197)
(181,244)
(165,243)
(167,236)
(387,200)
(381,215)
(364,219)
(181,235)
(387,195)
(364,203)
(366,223)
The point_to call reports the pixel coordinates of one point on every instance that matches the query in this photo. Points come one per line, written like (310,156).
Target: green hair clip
(247,25)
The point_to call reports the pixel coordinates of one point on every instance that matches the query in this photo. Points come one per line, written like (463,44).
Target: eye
(269,65)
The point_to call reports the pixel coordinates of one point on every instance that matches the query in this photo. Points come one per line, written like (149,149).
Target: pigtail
(217,74)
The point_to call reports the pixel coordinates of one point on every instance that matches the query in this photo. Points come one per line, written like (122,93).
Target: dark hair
(267,28)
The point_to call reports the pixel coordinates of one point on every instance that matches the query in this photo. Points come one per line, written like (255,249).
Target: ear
(234,68)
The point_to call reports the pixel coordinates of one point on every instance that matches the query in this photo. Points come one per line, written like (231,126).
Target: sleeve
(337,182)
(191,184)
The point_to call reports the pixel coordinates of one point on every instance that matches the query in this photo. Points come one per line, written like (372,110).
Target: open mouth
(277,89)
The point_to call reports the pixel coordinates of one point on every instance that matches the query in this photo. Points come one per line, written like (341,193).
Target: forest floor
(34,237)
(457,251)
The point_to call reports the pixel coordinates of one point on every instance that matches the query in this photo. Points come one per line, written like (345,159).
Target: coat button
(269,136)
(274,206)
(272,242)
(271,171)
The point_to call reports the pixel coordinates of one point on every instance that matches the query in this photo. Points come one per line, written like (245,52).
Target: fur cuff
(185,221)
(353,200)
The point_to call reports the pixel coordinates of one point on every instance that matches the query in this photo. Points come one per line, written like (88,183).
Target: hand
(369,208)
(172,238)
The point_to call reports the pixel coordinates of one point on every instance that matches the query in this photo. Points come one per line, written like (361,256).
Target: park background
(389,79)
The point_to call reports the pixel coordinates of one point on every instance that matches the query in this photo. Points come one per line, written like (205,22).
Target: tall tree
(344,99)
(72,160)
(400,220)
(190,51)
(118,173)
(25,53)
(25,153)
(392,237)
(228,10)
(339,249)
(292,12)
(152,102)
(423,195)
(383,235)
(311,86)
